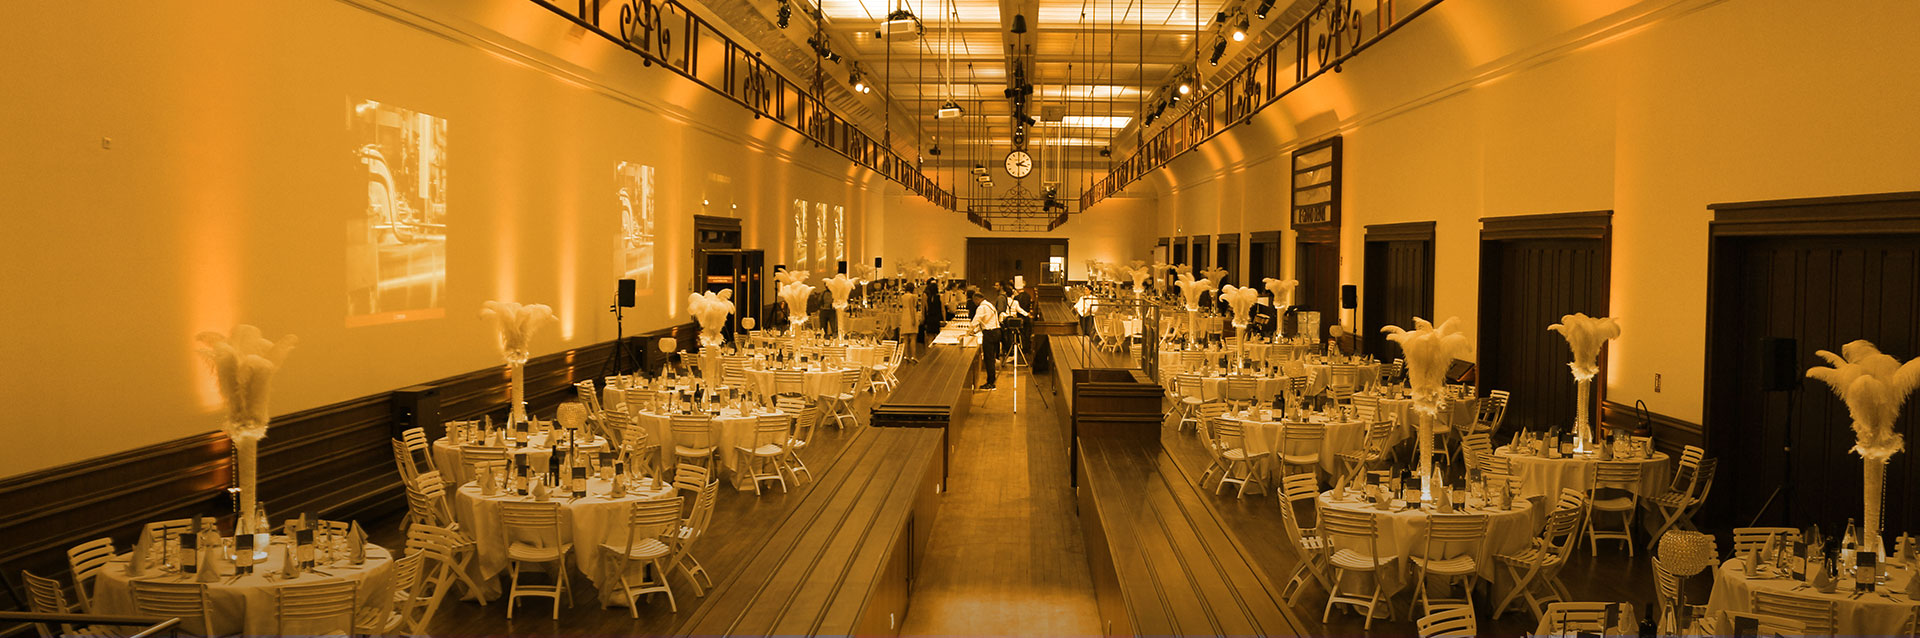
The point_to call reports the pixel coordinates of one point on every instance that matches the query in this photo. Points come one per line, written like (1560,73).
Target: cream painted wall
(231,178)
(1652,109)
(1118,229)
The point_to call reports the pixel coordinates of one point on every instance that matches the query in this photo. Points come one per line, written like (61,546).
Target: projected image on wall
(636,223)
(397,245)
(821,239)
(799,235)
(840,233)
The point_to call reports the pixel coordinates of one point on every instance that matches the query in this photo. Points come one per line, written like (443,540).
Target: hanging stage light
(1219,49)
(785,15)
(1240,29)
(1261,10)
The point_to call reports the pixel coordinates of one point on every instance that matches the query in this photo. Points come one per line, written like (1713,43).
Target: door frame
(1847,215)
(1372,298)
(1590,225)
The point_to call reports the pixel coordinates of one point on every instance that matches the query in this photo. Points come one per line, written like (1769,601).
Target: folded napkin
(1913,585)
(356,544)
(208,570)
(137,563)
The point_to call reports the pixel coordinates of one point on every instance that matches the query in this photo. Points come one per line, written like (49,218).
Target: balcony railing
(1332,33)
(667,34)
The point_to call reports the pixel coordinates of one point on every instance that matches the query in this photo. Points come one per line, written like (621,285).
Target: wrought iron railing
(1333,32)
(667,34)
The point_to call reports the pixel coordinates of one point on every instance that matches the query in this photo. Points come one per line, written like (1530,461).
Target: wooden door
(1535,283)
(1202,244)
(1318,269)
(1823,292)
(1263,258)
(1398,282)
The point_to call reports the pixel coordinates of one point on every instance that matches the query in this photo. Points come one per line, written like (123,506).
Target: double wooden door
(1822,292)
(1528,281)
(1398,283)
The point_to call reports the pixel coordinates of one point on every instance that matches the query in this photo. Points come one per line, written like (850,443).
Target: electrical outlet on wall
(1656,382)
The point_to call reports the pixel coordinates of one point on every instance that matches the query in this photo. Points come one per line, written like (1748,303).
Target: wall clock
(1019,164)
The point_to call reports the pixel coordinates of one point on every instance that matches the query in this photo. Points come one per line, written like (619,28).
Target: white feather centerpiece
(1282,291)
(1241,300)
(841,287)
(1190,291)
(796,293)
(1139,275)
(1213,276)
(243,365)
(1429,351)
(515,324)
(1874,387)
(711,310)
(1585,335)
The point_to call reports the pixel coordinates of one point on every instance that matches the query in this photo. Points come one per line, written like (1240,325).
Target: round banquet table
(1319,372)
(858,355)
(1873,614)
(449,457)
(1456,411)
(1278,351)
(248,604)
(586,522)
(729,429)
(1545,477)
(1268,437)
(815,382)
(1402,531)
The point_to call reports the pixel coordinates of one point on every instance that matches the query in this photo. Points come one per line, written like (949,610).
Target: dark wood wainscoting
(1533,270)
(1823,272)
(1317,266)
(1398,283)
(333,460)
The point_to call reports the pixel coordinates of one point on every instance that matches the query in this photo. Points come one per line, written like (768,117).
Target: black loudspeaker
(417,407)
(876,262)
(627,288)
(843,267)
(1778,368)
(1349,296)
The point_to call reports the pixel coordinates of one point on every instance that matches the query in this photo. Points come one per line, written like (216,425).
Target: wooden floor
(742,523)
(1007,556)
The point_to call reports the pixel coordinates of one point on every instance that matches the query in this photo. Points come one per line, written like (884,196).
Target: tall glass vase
(840,322)
(518,385)
(1874,473)
(1426,440)
(1582,437)
(246,454)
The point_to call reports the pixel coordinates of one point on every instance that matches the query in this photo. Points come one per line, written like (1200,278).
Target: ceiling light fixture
(947,111)
(902,25)
(1019,23)
(785,15)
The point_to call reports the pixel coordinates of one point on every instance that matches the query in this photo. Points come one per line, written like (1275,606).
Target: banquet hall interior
(1000,317)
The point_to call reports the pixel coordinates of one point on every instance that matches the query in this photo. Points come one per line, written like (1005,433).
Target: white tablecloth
(1321,372)
(814,382)
(730,428)
(1456,411)
(1868,615)
(1403,533)
(1268,437)
(1540,476)
(449,457)
(247,604)
(585,522)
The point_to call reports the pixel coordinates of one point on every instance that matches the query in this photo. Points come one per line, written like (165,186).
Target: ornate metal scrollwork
(638,20)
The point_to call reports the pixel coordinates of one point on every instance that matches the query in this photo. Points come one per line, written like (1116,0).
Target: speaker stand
(618,361)
(1783,491)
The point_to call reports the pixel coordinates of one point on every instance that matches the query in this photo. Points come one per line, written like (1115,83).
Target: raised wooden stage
(842,561)
(934,393)
(1164,560)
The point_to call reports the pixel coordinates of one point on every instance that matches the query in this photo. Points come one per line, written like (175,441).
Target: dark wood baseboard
(334,461)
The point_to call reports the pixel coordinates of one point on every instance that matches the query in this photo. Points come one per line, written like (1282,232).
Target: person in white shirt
(986,322)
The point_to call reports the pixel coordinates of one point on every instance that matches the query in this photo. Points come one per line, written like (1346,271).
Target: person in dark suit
(933,316)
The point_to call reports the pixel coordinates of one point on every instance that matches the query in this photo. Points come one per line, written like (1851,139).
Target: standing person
(934,318)
(986,322)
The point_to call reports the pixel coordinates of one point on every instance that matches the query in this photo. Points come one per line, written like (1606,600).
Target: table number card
(1745,626)
(579,482)
(189,556)
(1869,568)
(303,547)
(243,554)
